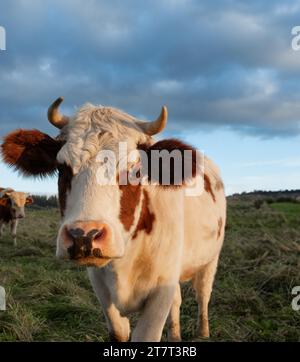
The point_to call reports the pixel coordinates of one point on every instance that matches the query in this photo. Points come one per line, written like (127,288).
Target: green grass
(289,209)
(51,300)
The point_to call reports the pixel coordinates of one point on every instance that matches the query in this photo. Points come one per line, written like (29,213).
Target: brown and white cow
(12,209)
(138,241)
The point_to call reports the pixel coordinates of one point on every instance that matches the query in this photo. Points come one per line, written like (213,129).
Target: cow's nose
(85,239)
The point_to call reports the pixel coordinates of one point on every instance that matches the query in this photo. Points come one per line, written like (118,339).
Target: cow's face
(94,229)
(100,214)
(16,202)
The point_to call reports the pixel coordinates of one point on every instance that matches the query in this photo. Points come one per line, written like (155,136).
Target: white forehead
(94,128)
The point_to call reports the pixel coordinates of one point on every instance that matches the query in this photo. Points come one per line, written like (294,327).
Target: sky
(225,69)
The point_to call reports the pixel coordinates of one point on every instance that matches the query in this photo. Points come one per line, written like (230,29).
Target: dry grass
(49,300)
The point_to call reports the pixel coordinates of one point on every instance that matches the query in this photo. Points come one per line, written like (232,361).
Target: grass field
(50,300)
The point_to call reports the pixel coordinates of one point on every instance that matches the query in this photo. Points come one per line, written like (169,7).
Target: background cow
(145,238)
(12,209)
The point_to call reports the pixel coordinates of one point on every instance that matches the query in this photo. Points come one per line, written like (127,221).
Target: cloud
(215,64)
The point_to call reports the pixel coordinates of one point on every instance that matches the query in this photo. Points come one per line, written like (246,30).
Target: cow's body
(12,206)
(144,238)
(183,245)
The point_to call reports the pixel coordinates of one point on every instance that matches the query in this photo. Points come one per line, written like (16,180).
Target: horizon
(240,193)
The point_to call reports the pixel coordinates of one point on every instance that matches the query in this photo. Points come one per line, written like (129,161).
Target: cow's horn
(55,117)
(152,128)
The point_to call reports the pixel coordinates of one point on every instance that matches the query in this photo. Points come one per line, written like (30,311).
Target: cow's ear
(29,200)
(5,197)
(181,166)
(33,153)
(4,201)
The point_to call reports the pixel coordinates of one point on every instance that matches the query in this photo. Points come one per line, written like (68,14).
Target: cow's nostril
(97,253)
(76,233)
(99,235)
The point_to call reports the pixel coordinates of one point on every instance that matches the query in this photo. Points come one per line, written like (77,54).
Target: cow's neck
(148,261)
(131,275)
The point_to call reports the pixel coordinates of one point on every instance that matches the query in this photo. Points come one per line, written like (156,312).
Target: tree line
(45,201)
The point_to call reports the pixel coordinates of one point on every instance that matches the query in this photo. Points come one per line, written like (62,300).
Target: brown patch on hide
(64,185)
(5,211)
(208,188)
(130,198)
(167,166)
(5,204)
(146,219)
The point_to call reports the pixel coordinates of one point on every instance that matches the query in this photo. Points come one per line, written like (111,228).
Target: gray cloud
(215,64)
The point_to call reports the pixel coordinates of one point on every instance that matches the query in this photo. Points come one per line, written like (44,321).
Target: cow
(139,241)
(12,209)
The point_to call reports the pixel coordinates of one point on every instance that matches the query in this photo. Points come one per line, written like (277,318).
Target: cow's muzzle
(88,242)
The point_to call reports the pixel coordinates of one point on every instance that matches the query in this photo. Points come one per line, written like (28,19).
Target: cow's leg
(13,228)
(203,283)
(118,326)
(173,321)
(154,315)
